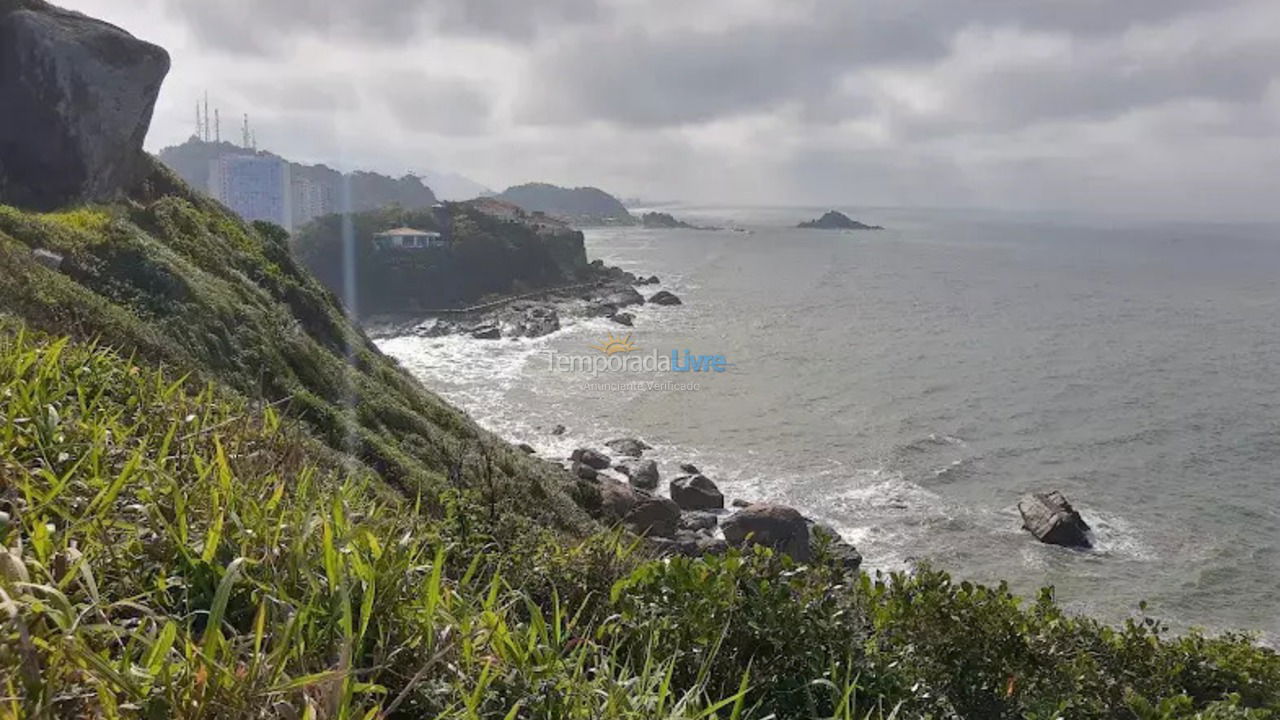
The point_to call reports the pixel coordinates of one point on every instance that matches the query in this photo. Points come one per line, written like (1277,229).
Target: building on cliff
(255,187)
(409,239)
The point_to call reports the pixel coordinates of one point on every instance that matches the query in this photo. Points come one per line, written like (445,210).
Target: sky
(1158,108)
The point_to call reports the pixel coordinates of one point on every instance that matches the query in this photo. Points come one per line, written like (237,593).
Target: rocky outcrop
(696,493)
(631,447)
(616,500)
(1052,520)
(833,220)
(776,526)
(591,458)
(76,98)
(625,319)
(663,297)
(654,516)
(644,475)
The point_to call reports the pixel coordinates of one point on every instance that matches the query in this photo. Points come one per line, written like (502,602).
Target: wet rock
(776,526)
(558,430)
(653,516)
(690,469)
(616,500)
(696,493)
(527,449)
(77,97)
(644,475)
(486,332)
(740,503)
(1050,518)
(699,521)
(591,458)
(623,318)
(664,297)
(631,447)
(586,472)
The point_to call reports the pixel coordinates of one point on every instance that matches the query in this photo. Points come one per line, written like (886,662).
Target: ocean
(908,386)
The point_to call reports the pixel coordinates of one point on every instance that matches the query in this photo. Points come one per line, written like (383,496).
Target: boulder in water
(77,97)
(644,475)
(696,493)
(592,458)
(664,297)
(777,526)
(1052,520)
(630,447)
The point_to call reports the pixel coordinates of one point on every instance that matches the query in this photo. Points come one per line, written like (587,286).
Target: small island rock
(1050,518)
(833,220)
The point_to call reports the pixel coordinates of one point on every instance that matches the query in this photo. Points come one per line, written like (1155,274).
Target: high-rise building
(311,199)
(255,187)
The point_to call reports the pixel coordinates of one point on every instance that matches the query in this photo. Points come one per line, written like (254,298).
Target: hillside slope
(176,278)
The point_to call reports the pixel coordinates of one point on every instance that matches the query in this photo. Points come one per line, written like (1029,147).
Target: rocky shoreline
(608,294)
(694,518)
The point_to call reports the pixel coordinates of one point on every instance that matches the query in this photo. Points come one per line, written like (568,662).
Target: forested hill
(581,206)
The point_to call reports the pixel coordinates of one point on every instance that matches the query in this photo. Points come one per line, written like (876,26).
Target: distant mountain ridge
(581,205)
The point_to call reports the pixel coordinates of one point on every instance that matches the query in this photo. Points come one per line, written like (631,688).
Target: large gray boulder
(76,98)
(591,458)
(696,493)
(777,526)
(616,500)
(644,475)
(631,447)
(653,516)
(1052,520)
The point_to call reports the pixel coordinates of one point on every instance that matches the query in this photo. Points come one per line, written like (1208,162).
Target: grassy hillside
(175,551)
(219,501)
(177,279)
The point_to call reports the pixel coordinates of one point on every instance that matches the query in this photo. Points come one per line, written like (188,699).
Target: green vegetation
(176,551)
(175,278)
(489,255)
(219,501)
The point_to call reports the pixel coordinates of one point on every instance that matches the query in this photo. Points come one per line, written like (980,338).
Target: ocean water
(907,386)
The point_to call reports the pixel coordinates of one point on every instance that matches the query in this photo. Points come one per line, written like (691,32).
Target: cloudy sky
(1153,107)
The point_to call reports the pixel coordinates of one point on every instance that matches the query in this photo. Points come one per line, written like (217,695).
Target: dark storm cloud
(269,26)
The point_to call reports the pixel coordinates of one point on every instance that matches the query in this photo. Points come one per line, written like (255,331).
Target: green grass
(175,278)
(174,550)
